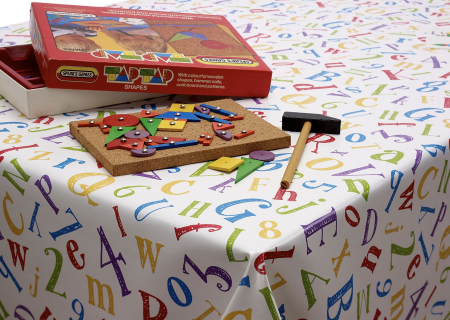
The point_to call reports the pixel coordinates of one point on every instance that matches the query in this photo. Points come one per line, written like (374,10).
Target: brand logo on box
(77,74)
(227,61)
(149,56)
(150,76)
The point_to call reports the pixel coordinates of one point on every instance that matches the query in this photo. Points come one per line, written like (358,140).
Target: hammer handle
(296,154)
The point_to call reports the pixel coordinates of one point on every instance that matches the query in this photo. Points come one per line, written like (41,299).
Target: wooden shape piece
(173,144)
(208,140)
(163,140)
(222,126)
(148,114)
(225,135)
(243,134)
(182,107)
(151,125)
(149,141)
(125,144)
(117,132)
(249,166)
(202,110)
(91,123)
(137,134)
(143,152)
(180,115)
(218,110)
(262,155)
(104,127)
(225,164)
(171,125)
(232,118)
(210,118)
(121,120)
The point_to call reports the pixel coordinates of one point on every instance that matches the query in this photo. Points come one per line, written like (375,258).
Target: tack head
(147,112)
(123,140)
(217,108)
(244,131)
(203,109)
(175,119)
(211,117)
(172,142)
(121,119)
(144,150)
(178,114)
(91,122)
(165,138)
(223,132)
(136,133)
(182,106)
(150,120)
(231,115)
(208,137)
(134,144)
(172,123)
(202,135)
(120,128)
(104,126)
(220,124)
(149,141)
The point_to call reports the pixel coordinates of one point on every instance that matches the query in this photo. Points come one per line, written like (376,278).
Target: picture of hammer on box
(87,34)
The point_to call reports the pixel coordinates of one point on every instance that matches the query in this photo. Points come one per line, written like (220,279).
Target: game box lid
(93,48)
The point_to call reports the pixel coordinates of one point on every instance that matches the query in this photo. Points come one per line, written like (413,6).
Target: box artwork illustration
(144,51)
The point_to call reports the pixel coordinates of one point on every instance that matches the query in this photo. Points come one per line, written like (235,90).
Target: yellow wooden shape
(178,107)
(226,164)
(171,125)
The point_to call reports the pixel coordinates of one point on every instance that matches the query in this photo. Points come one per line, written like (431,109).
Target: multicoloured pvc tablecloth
(363,233)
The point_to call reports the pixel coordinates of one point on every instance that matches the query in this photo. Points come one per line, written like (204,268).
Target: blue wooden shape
(183,115)
(220,111)
(175,145)
(207,117)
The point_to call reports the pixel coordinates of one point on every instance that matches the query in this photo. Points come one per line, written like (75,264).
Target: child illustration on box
(87,34)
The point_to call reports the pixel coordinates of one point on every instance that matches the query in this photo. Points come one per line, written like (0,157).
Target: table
(363,233)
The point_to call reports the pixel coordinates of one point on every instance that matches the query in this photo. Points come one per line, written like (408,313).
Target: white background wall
(16,11)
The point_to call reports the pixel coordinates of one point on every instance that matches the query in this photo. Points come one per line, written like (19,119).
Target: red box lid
(94,48)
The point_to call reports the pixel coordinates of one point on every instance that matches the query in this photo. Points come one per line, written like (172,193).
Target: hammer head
(293,121)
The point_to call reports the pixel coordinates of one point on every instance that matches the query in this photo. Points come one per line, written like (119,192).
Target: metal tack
(121,119)
(150,120)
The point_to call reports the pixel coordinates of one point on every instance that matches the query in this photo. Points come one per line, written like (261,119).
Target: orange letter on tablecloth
(12,226)
(422,181)
(247,314)
(100,287)
(149,252)
(89,189)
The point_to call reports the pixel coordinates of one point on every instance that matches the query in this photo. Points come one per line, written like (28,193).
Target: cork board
(207,38)
(120,162)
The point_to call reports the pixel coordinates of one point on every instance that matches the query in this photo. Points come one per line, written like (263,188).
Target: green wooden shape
(147,72)
(249,166)
(114,133)
(112,70)
(151,127)
(179,36)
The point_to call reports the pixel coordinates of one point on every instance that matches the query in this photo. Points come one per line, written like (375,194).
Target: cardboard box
(92,48)
(21,84)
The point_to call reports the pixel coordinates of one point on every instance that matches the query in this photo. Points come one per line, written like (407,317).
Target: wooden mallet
(306,123)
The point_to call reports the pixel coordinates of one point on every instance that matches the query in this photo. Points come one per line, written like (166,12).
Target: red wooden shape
(127,120)
(91,123)
(222,126)
(150,114)
(147,143)
(161,140)
(127,145)
(238,117)
(244,134)
(102,127)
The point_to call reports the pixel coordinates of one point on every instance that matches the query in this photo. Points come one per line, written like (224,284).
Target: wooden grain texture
(121,162)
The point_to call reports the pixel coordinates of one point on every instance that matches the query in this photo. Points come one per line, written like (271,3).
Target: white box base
(42,102)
